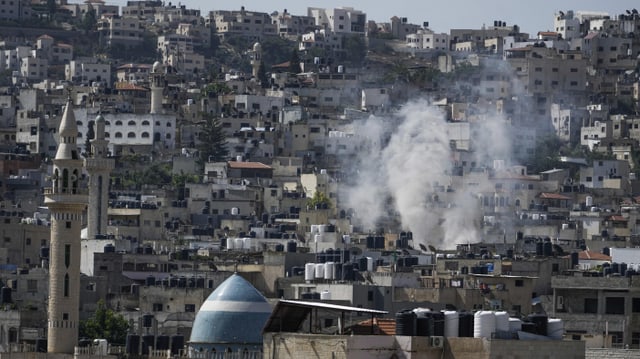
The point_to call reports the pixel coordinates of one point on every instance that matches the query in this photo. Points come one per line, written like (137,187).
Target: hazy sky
(531,16)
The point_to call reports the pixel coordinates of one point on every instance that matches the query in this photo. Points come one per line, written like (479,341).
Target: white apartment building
(322,39)
(375,99)
(144,9)
(57,53)
(171,16)
(567,25)
(34,69)
(88,72)
(126,31)
(290,26)
(603,170)
(344,19)
(250,24)
(10,59)
(133,73)
(427,39)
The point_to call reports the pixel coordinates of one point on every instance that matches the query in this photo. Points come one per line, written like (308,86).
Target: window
(66,285)
(67,255)
(519,283)
(157,307)
(591,305)
(131,123)
(190,308)
(118,134)
(131,135)
(32,285)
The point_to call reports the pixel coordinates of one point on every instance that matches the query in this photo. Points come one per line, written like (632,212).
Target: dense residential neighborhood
(240,184)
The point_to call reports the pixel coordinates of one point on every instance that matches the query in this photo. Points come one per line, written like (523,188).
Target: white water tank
(346,239)
(322,228)
(555,328)
(317,238)
(451,324)
(502,321)
(329,270)
(369,264)
(239,243)
(319,270)
(325,295)
(589,201)
(309,271)
(515,325)
(323,171)
(235,211)
(484,324)
(247,243)
(565,226)
(238,158)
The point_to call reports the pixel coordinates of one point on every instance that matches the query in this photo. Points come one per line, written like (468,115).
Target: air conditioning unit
(560,302)
(436,341)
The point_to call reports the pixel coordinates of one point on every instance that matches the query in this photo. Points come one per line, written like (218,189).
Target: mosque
(230,321)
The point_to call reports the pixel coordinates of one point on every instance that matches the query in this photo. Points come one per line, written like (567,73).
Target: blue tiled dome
(234,314)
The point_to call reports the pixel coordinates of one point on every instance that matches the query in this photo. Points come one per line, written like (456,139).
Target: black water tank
(223,243)
(147,343)
(379,242)
(44,252)
(151,280)
(529,327)
(465,325)
(424,326)
(177,344)
(5,295)
(606,251)
(109,248)
(575,259)
(41,345)
(623,269)
(519,235)
(279,247)
(347,272)
(148,250)
(370,242)
(540,321)
(438,323)
(362,264)
(539,248)
(510,253)
(615,268)
(306,296)
(133,344)
(406,323)
(292,247)
(163,342)
(547,249)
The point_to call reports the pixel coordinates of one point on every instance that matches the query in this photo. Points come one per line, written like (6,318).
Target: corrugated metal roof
(288,315)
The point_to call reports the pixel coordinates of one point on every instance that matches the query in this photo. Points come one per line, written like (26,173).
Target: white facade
(15,10)
(34,69)
(375,99)
(125,31)
(597,175)
(567,25)
(345,19)
(427,39)
(84,72)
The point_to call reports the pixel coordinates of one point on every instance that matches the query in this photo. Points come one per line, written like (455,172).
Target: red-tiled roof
(547,195)
(125,86)
(248,165)
(593,256)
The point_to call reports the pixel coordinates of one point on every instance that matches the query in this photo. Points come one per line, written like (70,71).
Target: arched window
(118,123)
(168,136)
(131,123)
(145,135)
(79,134)
(79,123)
(131,135)
(107,123)
(118,135)
(145,123)
(66,285)
(157,123)
(168,124)
(517,203)
(107,135)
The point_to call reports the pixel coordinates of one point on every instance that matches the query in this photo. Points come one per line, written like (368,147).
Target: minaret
(66,200)
(157,87)
(99,166)
(256,58)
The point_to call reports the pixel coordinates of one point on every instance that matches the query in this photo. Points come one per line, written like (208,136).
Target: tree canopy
(105,324)
(213,141)
(319,200)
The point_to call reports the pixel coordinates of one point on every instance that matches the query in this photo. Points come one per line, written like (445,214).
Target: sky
(531,16)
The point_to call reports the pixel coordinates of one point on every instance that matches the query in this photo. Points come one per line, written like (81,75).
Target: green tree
(319,200)
(294,62)
(213,141)
(105,324)
(89,20)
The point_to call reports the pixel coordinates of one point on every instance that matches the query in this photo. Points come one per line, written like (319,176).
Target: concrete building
(339,20)
(250,24)
(425,39)
(15,10)
(126,31)
(66,200)
(291,26)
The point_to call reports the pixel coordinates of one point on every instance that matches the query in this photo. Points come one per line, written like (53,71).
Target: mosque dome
(99,118)
(232,316)
(157,66)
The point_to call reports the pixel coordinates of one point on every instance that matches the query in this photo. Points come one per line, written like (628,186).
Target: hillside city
(239,184)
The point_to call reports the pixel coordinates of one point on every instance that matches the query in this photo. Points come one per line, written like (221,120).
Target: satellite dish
(356,251)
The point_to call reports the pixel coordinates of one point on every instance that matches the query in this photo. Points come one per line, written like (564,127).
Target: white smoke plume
(407,158)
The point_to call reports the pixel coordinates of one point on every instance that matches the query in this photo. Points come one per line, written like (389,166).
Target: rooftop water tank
(484,324)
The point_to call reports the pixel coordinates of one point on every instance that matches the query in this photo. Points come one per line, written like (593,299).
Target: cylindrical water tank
(163,342)
(147,320)
(484,324)
(589,201)
(5,295)
(369,264)
(539,248)
(319,270)
(322,228)
(247,243)
(515,325)
(424,325)
(329,270)
(406,323)
(309,271)
(325,295)
(235,211)
(465,324)
(238,243)
(147,343)
(451,324)
(606,251)
(279,247)
(133,344)
(317,238)
(540,320)
(109,248)
(151,280)
(292,246)
(555,328)
(41,345)
(575,259)
(547,249)
(177,344)
(347,272)
(502,321)
(438,323)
